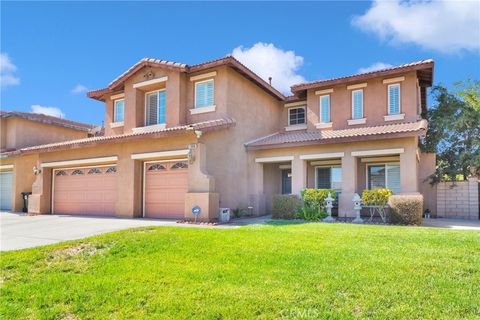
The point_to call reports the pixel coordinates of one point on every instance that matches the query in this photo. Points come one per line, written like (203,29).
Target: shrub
(286,206)
(316,197)
(310,213)
(378,197)
(406,209)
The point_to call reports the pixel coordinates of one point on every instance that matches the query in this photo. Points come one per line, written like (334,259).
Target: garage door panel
(165,189)
(6,190)
(92,193)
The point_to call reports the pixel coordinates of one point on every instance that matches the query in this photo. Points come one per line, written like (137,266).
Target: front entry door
(286,181)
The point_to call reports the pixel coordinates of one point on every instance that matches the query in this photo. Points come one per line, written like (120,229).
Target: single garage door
(166,184)
(6,186)
(85,191)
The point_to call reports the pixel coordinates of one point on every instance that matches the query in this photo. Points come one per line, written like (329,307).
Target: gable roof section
(149,62)
(299,138)
(204,126)
(424,69)
(41,118)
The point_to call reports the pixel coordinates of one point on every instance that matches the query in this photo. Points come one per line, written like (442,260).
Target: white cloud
(445,26)
(79,88)
(49,111)
(375,66)
(7,70)
(266,60)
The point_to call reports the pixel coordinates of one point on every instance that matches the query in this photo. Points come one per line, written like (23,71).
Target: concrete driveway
(19,231)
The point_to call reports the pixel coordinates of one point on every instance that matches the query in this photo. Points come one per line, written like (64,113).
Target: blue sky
(49,49)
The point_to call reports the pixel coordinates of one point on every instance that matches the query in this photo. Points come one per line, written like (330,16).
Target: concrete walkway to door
(20,231)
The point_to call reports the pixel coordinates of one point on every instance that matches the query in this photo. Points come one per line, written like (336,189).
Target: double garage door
(93,190)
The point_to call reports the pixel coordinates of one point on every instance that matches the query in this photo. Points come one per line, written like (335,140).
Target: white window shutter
(394,99)
(152,108)
(357,104)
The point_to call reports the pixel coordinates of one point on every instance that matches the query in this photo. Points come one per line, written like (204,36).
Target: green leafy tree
(454,130)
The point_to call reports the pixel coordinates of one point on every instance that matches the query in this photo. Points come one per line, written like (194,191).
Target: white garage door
(6,186)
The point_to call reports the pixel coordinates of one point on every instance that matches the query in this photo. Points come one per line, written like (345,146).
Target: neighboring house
(216,135)
(20,130)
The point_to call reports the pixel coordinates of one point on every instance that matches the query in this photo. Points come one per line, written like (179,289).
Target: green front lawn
(315,270)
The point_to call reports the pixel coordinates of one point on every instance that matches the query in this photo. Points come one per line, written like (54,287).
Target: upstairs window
(118,110)
(204,94)
(325,109)
(296,116)
(155,108)
(394,99)
(357,104)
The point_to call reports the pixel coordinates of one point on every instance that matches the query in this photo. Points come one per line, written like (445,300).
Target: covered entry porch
(348,169)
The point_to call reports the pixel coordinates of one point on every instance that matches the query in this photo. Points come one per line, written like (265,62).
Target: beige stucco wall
(23,177)
(427,167)
(375,103)
(256,114)
(19,133)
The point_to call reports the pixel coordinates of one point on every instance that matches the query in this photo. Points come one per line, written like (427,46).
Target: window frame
(399,98)
(330,167)
(385,164)
(195,94)
(329,108)
(158,106)
(353,104)
(115,110)
(297,124)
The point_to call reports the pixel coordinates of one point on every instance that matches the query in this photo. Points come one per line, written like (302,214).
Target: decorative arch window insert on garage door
(165,186)
(85,191)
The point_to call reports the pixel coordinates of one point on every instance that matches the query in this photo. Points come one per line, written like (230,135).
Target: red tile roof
(115,85)
(152,132)
(423,65)
(291,138)
(37,117)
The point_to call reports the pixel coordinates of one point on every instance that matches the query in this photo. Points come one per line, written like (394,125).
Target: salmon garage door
(85,191)
(166,184)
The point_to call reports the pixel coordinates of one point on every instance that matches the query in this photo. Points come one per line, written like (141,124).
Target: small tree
(454,130)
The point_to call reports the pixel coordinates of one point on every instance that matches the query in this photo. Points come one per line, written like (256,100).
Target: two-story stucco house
(20,130)
(216,135)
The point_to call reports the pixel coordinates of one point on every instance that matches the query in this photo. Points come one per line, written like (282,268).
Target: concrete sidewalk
(19,231)
(455,224)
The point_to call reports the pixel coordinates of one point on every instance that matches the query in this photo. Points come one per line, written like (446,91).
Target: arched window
(156,166)
(179,165)
(94,171)
(75,172)
(60,173)
(111,170)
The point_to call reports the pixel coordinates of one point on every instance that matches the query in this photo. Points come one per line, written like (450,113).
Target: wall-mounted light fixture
(36,171)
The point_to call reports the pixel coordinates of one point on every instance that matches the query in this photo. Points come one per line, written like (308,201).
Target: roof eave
(420,132)
(360,77)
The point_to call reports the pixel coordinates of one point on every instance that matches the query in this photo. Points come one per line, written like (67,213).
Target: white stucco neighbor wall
(458,199)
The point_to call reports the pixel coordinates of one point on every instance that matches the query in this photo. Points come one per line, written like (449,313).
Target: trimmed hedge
(316,197)
(377,197)
(406,209)
(286,206)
